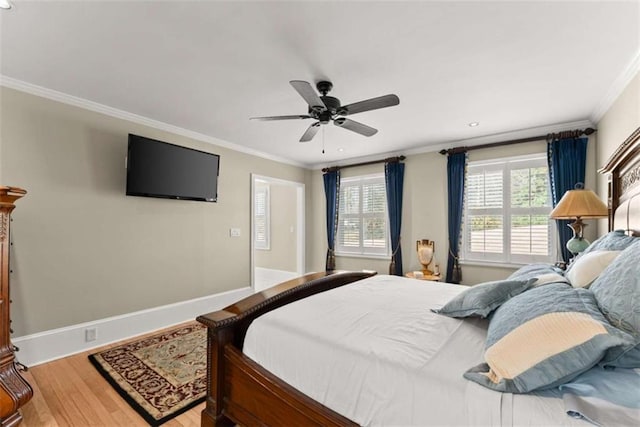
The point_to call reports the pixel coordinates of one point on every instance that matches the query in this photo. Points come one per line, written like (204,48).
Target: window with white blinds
(362,217)
(261,221)
(507,206)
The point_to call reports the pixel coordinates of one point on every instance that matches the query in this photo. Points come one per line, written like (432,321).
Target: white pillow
(545,279)
(588,267)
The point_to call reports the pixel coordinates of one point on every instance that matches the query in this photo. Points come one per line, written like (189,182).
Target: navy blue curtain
(394,180)
(332,194)
(456,166)
(567,161)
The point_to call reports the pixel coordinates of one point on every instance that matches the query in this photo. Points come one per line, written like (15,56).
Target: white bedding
(375,353)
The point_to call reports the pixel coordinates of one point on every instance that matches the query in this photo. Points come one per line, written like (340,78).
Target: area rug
(160,376)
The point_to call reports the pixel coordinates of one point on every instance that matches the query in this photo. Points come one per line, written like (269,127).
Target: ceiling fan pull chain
(323,140)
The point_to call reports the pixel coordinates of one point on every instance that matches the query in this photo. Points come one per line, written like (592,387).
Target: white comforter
(375,353)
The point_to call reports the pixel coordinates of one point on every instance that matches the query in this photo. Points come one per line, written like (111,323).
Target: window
(362,217)
(262,222)
(507,206)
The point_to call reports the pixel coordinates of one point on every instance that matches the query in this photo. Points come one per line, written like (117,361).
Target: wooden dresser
(14,390)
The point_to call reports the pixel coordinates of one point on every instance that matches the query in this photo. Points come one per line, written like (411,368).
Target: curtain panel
(332,194)
(567,160)
(456,167)
(394,180)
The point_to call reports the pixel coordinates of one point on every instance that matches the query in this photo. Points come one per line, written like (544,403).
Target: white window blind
(362,216)
(507,206)
(261,221)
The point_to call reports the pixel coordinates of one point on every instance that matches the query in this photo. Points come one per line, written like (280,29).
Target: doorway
(277,231)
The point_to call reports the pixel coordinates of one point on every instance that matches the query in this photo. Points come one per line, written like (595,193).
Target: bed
(314,361)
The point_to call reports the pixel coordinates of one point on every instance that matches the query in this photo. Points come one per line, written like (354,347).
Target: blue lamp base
(577,243)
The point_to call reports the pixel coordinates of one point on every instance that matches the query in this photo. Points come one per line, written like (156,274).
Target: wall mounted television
(160,169)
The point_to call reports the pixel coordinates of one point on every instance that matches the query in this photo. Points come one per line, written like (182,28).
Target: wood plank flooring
(70,392)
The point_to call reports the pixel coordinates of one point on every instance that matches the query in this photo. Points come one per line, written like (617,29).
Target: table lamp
(579,203)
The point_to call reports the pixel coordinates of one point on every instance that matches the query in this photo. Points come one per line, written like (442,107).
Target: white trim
(486,139)
(491,264)
(268,277)
(365,256)
(54,344)
(124,115)
(616,89)
(145,121)
(300,213)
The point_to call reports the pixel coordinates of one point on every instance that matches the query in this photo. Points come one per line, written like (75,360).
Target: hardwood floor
(70,392)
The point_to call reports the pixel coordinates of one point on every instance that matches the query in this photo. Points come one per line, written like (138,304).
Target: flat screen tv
(160,169)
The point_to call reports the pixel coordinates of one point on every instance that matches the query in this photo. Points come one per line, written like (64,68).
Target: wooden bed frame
(239,391)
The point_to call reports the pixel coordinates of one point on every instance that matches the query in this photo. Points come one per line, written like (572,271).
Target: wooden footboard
(239,391)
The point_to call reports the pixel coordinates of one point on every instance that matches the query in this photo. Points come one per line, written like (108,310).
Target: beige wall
(424,211)
(622,118)
(282,253)
(85,251)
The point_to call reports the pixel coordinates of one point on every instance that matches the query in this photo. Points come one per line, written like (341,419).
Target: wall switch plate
(90,334)
(234,232)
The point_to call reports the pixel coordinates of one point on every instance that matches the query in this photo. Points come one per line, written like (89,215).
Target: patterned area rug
(160,376)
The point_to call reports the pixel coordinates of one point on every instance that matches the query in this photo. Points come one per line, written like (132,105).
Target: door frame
(300,223)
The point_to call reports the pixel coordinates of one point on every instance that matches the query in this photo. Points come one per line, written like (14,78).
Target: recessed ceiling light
(341,149)
(5,4)
(474,124)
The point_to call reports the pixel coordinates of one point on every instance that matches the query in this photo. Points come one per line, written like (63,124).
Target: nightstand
(411,275)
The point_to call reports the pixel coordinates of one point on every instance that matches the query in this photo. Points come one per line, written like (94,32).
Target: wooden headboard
(623,168)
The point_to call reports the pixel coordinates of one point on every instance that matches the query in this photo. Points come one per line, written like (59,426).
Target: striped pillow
(543,338)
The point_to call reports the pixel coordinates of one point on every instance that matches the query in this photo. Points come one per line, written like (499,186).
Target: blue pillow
(546,272)
(623,357)
(480,300)
(544,337)
(617,290)
(615,240)
(605,397)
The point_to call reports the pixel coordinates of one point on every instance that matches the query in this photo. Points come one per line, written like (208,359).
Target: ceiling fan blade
(354,126)
(369,104)
(281,117)
(308,93)
(310,132)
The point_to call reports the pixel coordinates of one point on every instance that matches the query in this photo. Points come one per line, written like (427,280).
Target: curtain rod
(565,134)
(387,160)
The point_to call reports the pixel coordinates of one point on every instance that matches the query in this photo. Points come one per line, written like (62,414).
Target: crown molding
(75,101)
(616,88)
(486,139)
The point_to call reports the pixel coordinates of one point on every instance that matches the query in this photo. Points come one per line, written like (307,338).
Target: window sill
(369,256)
(491,264)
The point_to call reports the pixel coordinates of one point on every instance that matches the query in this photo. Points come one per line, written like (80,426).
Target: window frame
(259,244)
(362,251)
(506,211)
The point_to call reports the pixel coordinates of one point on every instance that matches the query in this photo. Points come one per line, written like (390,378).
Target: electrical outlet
(234,232)
(90,334)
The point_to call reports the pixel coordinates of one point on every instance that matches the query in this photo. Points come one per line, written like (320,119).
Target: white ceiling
(209,66)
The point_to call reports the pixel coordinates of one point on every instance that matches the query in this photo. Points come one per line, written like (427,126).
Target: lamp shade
(579,203)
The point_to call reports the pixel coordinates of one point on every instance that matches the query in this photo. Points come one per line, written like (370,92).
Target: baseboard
(268,277)
(57,343)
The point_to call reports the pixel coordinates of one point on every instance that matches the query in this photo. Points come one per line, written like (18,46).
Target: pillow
(481,300)
(544,337)
(624,357)
(545,272)
(547,278)
(615,240)
(603,397)
(617,290)
(588,267)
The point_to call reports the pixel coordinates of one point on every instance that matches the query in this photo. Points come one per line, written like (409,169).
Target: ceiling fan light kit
(327,108)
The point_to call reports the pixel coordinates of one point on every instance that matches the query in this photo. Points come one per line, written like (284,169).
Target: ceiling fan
(326,108)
